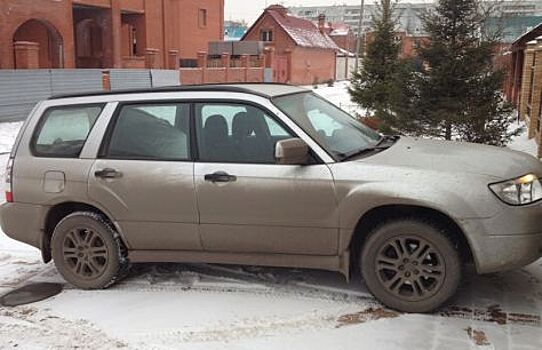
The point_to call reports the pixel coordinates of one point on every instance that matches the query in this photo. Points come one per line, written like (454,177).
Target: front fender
(457,196)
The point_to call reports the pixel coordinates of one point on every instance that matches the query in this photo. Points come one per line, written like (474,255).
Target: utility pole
(360,32)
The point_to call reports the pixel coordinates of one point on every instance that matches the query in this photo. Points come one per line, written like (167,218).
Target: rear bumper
(509,240)
(22,222)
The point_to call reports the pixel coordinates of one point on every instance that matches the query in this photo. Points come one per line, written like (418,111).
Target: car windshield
(332,128)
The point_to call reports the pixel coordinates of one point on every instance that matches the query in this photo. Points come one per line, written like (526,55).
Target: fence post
(245,63)
(106,80)
(173,59)
(151,58)
(202,63)
(226,63)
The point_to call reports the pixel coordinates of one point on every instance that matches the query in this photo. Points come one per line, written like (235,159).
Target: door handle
(220,176)
(108,173)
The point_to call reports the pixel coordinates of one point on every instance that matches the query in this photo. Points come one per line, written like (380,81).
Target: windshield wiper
(384,143)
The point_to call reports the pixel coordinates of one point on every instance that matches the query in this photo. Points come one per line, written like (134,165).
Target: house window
(202,18)
(266,35)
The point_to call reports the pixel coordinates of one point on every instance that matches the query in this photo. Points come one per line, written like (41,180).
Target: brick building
(409,43)
(303,53)
(106,33)
(524,84)
(341,33)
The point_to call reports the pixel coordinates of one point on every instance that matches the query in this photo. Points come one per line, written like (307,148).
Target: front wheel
(410,265)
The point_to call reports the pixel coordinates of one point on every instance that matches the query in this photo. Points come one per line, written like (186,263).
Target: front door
(144,177)
(247,202)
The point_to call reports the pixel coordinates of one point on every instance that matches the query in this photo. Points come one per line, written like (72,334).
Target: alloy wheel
(85,253)
(410,268)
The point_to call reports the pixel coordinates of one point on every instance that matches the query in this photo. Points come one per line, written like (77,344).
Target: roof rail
(224,87)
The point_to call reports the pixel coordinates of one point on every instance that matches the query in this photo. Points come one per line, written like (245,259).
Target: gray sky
(249,10)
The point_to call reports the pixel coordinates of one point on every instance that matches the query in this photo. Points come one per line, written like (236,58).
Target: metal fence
(20,90)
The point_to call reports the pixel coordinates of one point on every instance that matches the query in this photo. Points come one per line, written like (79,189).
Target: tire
(88,252)
(410,265)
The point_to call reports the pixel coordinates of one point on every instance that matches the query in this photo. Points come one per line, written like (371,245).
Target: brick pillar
(152,59)
(202,63)
(226,63)
(116,33)
(173,59)
(27,55)
(106,80)
(536,91)
(526,84)
(245,64)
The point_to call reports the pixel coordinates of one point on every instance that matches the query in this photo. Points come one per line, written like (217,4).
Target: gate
(281,69)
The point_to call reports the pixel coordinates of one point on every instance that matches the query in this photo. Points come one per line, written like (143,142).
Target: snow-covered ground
(200,306)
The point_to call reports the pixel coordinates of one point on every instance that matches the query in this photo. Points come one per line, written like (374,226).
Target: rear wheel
(87,251)
(410,265)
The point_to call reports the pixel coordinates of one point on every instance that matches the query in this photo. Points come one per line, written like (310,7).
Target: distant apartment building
(106,33)
(408,16)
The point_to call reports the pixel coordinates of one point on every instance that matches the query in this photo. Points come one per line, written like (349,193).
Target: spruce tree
(374,84)
(458,92)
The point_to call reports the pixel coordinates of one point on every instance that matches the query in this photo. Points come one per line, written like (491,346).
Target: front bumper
(22,222)
(509,240)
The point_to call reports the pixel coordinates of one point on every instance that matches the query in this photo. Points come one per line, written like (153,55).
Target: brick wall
(185,27)
(224,70)
(56,15)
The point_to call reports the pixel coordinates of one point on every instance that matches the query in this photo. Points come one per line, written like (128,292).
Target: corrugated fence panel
(268,75)
(76,80)
(20,90)
(165,77)
(130,79)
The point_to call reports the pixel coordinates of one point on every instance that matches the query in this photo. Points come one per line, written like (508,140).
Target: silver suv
(264,174)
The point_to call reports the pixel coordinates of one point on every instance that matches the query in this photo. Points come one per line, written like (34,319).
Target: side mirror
(292,152)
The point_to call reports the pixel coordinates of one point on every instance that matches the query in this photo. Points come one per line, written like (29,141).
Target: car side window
(151,132)
(63,131)
(237,133)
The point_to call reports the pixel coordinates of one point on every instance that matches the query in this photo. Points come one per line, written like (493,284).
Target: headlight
(521,191)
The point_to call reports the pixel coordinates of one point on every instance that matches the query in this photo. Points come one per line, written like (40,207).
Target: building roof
(268,90)
(339,29)
(528,36)
(303,32)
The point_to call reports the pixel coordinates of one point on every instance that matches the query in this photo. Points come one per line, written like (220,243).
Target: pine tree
(374,84)
(459,90)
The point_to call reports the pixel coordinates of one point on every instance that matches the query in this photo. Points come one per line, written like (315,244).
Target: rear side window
(63,131)
(151,132)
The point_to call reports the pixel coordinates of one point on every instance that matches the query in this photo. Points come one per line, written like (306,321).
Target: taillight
(9,183)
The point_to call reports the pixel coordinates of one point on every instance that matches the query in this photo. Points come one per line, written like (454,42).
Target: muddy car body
(264,174)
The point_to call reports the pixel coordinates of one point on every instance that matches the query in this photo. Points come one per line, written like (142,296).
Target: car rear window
(151,132)
(63,131)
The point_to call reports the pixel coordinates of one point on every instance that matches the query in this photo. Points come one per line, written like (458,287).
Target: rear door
(144,176)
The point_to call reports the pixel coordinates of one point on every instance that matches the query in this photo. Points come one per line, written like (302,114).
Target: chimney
(283,11)
(322,23)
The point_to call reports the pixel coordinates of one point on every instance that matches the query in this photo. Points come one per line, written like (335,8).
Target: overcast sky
(249,10)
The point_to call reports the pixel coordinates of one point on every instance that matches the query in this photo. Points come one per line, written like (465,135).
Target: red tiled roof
(304,33)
